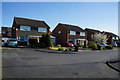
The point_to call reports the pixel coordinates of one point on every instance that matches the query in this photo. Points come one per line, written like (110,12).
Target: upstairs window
(59,32)
(82,33)
(113,37)
(25,28)
(117,38)
(41,29)
(72,33)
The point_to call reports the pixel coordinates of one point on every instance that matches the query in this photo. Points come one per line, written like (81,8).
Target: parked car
(102,44)
(69,44)
(12,42)
(3,43)
(114,44)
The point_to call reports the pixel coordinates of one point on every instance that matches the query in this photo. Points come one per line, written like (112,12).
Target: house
(6,31)
(90,32)
(27,30)
(111,37)
(69,33)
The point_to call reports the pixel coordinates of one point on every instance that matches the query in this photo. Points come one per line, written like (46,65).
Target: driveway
(29,63)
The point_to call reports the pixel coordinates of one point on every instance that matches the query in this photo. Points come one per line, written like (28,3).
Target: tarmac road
(29,63)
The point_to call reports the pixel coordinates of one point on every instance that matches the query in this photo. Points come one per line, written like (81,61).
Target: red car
(69,44)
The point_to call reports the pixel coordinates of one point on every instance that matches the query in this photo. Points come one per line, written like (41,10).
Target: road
(29,63)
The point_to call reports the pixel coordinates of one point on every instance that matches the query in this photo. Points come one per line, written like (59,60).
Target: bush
(118,43)
(58,45)
(45,41)
(84,46)
(61,49)
(99,47)
(68,49)
(109,47)
(48,41)
(93,45)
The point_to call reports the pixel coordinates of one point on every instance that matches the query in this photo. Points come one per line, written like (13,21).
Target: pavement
(33,63)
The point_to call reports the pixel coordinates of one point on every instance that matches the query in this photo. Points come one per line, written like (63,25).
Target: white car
(114,44)
(3,43)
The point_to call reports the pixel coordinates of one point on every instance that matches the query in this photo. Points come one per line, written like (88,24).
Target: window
(113,37)
(82,33)
(25,28)
(4,32)
(117,38)
(72,33)
(23,38)
(59,32)
(41,29)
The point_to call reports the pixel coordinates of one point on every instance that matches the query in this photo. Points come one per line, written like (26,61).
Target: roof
(30,22)
(6,28)
(71,27)
(93,30)
(109,33)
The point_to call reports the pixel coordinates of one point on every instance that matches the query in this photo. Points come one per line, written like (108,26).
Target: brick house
(90,32)
(24,29)
(68,33)
(111,37)
(6,31)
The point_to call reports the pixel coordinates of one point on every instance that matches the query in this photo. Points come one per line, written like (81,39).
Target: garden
(98,42)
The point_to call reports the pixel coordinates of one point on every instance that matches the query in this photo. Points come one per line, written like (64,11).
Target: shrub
(45,41)
(61,49)
(84,44)
(58,45)
(109,47)
(118,43)
(68,49)
(93,45)
(89,44)
(48,41)
(99,47)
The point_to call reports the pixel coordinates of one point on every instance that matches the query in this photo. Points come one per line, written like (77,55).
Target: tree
(48,40)
(100,37)
(45,41)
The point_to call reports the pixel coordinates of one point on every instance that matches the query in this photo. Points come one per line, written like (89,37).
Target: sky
(96,15)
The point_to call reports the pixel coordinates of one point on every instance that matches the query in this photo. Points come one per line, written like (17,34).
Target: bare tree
(100,37)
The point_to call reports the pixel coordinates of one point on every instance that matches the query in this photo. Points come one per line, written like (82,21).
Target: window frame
(82,33)
(42,28)
(73,32)
(25,29)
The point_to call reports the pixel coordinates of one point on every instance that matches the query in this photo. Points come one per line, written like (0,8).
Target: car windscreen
(12,40)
